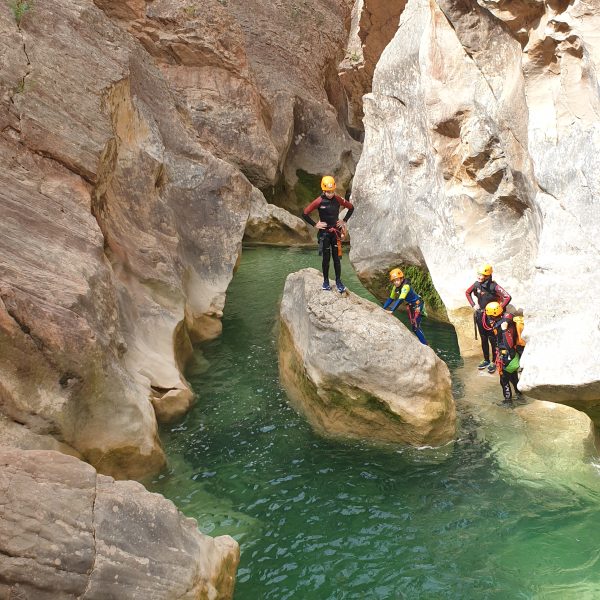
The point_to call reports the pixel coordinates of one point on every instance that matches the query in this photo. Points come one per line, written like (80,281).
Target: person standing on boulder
(508,351)
(486,290)
(332,230)
(401,291)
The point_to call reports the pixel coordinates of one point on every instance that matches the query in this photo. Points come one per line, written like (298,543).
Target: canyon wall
(137,141)
(481,138)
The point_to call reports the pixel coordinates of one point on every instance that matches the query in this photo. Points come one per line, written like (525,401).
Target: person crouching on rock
(507,350)
(401,291)
(331,229)
(486,290)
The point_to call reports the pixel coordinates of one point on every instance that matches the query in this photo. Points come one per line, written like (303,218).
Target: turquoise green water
(318,519)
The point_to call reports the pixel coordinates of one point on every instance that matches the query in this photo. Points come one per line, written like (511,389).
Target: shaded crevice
(161,391)
(22,86)
(90,573)
(24,327)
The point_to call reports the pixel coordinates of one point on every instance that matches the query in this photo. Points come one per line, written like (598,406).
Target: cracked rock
(68,532)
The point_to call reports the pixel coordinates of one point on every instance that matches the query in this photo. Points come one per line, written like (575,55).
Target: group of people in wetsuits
(332,230)
(498,331)
(496,326)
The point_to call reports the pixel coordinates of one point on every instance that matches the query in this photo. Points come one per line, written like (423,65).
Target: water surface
(318,519)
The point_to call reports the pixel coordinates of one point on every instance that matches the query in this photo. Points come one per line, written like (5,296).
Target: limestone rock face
(358,372)
(374,24)
(118,237)
(68,532)
(269,224)
(481,145)
(259,80)
(296,70)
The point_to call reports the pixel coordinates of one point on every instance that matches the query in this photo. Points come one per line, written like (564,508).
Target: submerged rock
(357,372)
(68,532)
(540,443)
(268,224)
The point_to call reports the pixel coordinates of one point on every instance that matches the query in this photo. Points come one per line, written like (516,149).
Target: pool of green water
(318,519)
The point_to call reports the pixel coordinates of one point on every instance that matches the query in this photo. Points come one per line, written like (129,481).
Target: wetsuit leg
(326,246)
(514,379)
(493,342)
(415,316)
(485,339)
(337,265)
(505,384)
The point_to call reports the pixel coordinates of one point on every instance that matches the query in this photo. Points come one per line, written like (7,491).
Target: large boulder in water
(357,372)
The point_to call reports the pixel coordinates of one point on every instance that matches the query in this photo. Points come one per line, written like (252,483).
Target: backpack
(519,323)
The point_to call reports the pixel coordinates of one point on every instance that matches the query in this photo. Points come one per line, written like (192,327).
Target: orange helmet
(494,309)
(396,274)
(328,184)
(485,270)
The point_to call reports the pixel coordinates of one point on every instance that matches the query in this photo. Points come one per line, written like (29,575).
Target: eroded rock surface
(481,145)
(269,224)
(119,237)
(356,371)
(68,532)
(259,80)
(374,24)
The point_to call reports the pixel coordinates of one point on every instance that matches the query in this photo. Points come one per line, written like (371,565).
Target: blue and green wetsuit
(414,302)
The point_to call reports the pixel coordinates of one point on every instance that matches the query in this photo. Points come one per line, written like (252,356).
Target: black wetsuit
(505,333)
(486,291)
(329,212)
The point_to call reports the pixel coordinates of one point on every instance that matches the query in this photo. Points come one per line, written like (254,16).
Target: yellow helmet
(485,270)
(494,309)
(396,274)
(328,184)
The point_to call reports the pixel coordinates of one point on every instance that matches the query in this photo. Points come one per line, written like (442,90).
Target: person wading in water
(331,229)
(508,350)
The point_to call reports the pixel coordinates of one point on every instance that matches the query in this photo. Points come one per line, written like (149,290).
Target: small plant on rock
(20,8)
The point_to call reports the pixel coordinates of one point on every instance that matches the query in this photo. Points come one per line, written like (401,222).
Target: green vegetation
(354,56)
(20,8)
(307,188)
(24,85)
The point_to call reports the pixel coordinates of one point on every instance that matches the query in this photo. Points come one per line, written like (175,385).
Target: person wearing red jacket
(331,229)
(485,291)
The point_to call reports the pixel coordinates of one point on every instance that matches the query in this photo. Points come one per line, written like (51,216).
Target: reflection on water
(485,517)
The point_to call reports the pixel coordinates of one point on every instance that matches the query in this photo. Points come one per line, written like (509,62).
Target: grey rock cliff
(68,532)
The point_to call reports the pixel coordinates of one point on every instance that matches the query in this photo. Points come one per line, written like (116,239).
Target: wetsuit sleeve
(502,295)
(469,296)
(312,206)
(401,297)
(346,204)
(391,297)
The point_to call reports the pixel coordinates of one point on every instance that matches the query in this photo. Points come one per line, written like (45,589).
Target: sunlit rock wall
(482,139)
(133,138)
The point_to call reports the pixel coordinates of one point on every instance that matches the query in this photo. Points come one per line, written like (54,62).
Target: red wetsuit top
(487,291)
(329,209)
